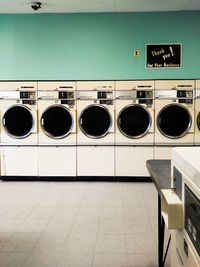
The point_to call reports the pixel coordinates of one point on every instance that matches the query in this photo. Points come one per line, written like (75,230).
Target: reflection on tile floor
(78,224)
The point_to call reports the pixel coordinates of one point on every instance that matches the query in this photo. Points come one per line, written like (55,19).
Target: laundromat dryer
(174,115)
(57,129)
(96,129)
(135,127)
(197,114)
(18,129)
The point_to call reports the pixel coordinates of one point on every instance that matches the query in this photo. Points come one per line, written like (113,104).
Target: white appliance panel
(57,161)
(19,161)
(131,85)
(27,86)
(162,152)
(174,84)
(55,86)
(96,85)
(131,161)
(95,161)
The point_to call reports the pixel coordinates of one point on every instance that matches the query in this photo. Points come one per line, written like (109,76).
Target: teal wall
(95,46)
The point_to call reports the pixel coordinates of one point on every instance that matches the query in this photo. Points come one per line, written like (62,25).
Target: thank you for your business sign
(163,55)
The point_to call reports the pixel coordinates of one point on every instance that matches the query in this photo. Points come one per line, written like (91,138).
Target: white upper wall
(82,6)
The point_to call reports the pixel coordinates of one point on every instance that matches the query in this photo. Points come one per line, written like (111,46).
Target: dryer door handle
(120,121)
(4,121)
(42,121)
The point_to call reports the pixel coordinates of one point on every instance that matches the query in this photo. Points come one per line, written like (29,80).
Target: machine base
(78,178)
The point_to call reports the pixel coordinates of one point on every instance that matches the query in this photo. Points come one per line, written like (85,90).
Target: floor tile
(111,226)
(8,259)
(50,242)
(59,225)
(110,243)
(33,225)
(109,260)
(140,244)
(78,224)
(80,243)
(41,260)
(21,242)
(75,260)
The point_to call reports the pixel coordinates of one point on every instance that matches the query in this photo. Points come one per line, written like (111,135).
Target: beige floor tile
(58,225)
(41,260)
(33,225)
(137,225)
(75,260)
(113,202)
(111,226)
(8,259)
(109,260)
(4,237)
(21,242)
(80,243)
(110,243)
(141,260)
(50,242)
(10,225)
(108,212)
(140,244)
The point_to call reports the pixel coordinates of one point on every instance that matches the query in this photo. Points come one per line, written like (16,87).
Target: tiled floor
(82,224)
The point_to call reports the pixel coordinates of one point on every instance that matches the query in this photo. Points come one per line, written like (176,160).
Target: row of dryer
(94,128)
(56,113)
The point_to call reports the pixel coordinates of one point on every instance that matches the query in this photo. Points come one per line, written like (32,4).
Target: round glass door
(18,121)
(198,121)
(174,121)
(134,121)
(56,121)
(95,121)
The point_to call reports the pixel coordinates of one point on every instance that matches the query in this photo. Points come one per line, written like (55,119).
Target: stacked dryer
(57,129)
(135,127)
(174,116)
(95,131)
(18,129)
(197,114)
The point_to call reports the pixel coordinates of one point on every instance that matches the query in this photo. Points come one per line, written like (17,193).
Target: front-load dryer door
(18,121)
(134,121)
(95,121)
(174,121)
(198,121)
(57,121)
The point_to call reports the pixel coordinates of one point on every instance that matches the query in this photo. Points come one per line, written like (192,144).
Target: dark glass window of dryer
(57,121)
(18,121)
(95,121)
(134,121)
(174,121)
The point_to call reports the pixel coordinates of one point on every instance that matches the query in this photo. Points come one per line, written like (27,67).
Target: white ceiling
(79,6)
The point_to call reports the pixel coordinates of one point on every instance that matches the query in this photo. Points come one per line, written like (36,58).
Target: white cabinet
(95,161)
(163,152)
(57,161)
(131,161)
(19,161)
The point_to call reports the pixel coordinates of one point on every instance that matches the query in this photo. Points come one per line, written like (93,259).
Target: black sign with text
(163,56)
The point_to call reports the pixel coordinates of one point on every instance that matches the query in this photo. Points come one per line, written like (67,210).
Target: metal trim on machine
(110,119)
(6,128)
(51,135)
(188,127)
(147,129)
